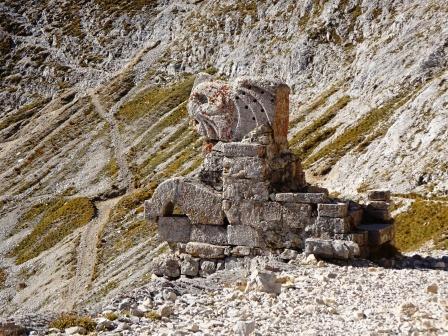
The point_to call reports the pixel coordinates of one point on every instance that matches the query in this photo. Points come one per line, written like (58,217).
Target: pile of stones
(250,196)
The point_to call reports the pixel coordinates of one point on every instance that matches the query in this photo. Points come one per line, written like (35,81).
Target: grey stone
(243,235)
(201,203)
(174,229)
(356,216)
(338,210)
(312,198)
(104,324)
(220,108)
(204,250)
(332,225)
(288,254)
(378,233)
(263,282)
(207,267)
(165,310)
(240,251)
(359,237)
(372,214)
(378,195)
(240,189)
(297,215)
(245,168)
(319,247)
(75,330)
(189,266)
(331,248)
(171,268)
(244,328)
(237,149)
(211,234)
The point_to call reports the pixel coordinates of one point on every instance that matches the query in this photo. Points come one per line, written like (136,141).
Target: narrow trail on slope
(125,174)
(87,253)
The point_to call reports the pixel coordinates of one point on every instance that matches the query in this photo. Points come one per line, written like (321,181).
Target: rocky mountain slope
(94,116)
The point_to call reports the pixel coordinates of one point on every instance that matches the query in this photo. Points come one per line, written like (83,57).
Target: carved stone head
(228,111)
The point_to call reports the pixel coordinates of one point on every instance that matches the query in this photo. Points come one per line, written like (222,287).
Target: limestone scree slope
(93,117)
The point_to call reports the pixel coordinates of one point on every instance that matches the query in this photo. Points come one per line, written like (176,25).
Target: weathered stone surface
(378,195)
(204,250)
(199,202)
(212,234)
(239,189)
(238,149)
(207,267)
(312,198)
(229,111)
(356,215)
(246,168)
(338,210)
(189,266)
(288,254)
(345,249)
(296,215)
(211,169)
(378,233)
(377,212)
(243,235)
(331,248)
(359,237)
(332,225)
(263,282)
(174,229)
(240,251)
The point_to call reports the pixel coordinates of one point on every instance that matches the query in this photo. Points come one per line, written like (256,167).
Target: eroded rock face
(250,194)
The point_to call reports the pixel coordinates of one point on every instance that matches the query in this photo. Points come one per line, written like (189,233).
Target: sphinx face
(227,112)
(212,107)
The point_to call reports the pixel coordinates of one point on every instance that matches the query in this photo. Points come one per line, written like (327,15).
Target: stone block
(252,168)
(338,210)
(378,234)
(297,215)
(331,248)
(237,190)
(211,234)
(378,195)
(377,211)
(189,266)
(201,203)
(332,225)
(356,216)
(312,198)
(240,251)
(319,247)
(204,250)
(359,237)
(345,249)
(207,267)
(174,229)
(243,235)
(272,211)
(238,149)
(251,213)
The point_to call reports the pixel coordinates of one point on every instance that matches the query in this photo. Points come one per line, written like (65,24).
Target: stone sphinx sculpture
(250,195)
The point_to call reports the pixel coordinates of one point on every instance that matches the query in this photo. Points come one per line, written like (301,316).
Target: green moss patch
(157,100)
(58,221)
(424,220)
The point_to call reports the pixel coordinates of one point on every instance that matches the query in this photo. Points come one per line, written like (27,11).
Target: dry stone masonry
(250,196)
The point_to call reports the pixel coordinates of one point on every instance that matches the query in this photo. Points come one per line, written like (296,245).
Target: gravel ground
(316,298)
